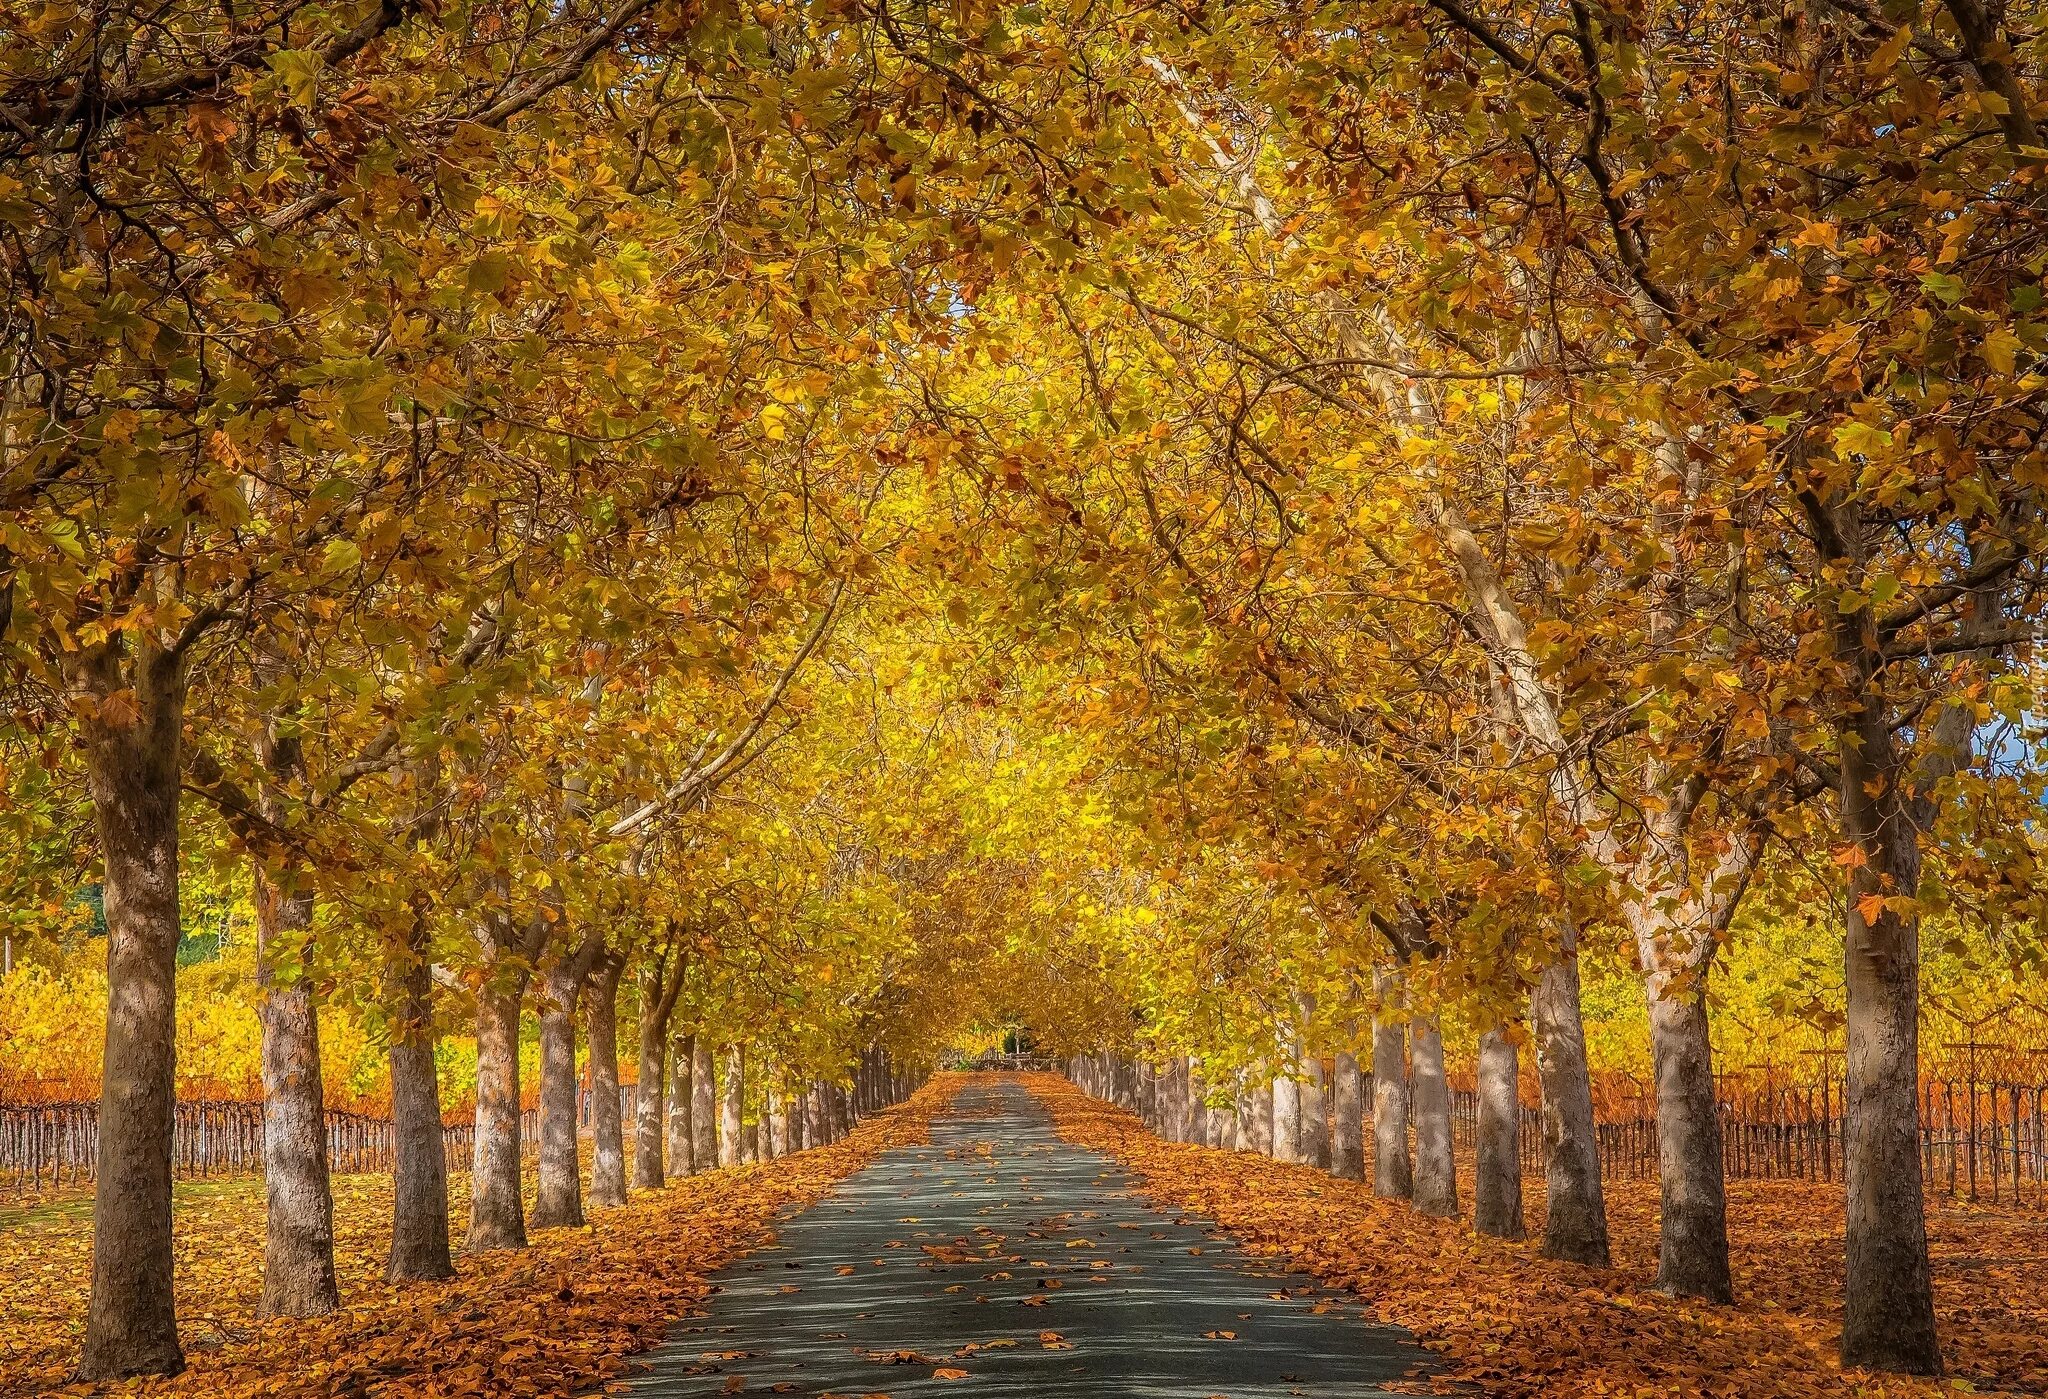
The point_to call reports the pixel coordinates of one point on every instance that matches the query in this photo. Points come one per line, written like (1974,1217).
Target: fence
(50,1146)
(1980,1139)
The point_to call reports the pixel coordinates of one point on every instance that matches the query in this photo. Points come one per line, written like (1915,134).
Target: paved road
(999,1260)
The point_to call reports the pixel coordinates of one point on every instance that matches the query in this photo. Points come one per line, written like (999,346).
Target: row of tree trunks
(135,772)
(1300,1117)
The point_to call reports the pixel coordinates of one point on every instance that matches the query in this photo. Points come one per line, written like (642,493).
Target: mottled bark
(653,1149)
(1888,1304)
(132,775)
(419,1173)
(1393,1169)
(1497,1170)
(607,1135)
(1574,1210)
(497,1215)
(1258,1123)
(656,1154)
(558,1200)
(1347,1126)
(683,1158)
(732,1126)
(1692,1254)
(298,1240)
(1315,1116)
(1287,1117)
(1436,1178)
(703,1104)
(1889,1307)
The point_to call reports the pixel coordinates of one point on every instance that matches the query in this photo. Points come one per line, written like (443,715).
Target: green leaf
(1861,439)
(488,274)
(340,556)
(299,70)
(1943,287)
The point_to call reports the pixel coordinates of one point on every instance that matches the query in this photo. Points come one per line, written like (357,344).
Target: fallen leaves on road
(1508,1322)
(547,1322)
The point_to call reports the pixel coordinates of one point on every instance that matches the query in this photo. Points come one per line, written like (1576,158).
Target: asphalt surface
(999,1260)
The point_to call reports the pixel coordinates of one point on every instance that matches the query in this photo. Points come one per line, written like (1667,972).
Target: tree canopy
(1194,530)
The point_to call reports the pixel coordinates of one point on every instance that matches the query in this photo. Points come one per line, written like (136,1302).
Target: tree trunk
(732,1149)
(1692,1253)
(1574,1210)
(1497,1172)
(651,1163)
(419,1169)
(132,773)
(608,1141)
(703,1104)
(1393,1171)
(558,1201)
(298,1248)
(692,1125)
(1347,1140)
(497,1215)
(1194,1108)
(1287,1117)
(683,1154)
(1436,1176)
(1888,1311)
(1315,1116)
(1258,1127)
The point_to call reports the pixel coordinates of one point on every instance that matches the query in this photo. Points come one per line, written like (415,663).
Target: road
(999,1260)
